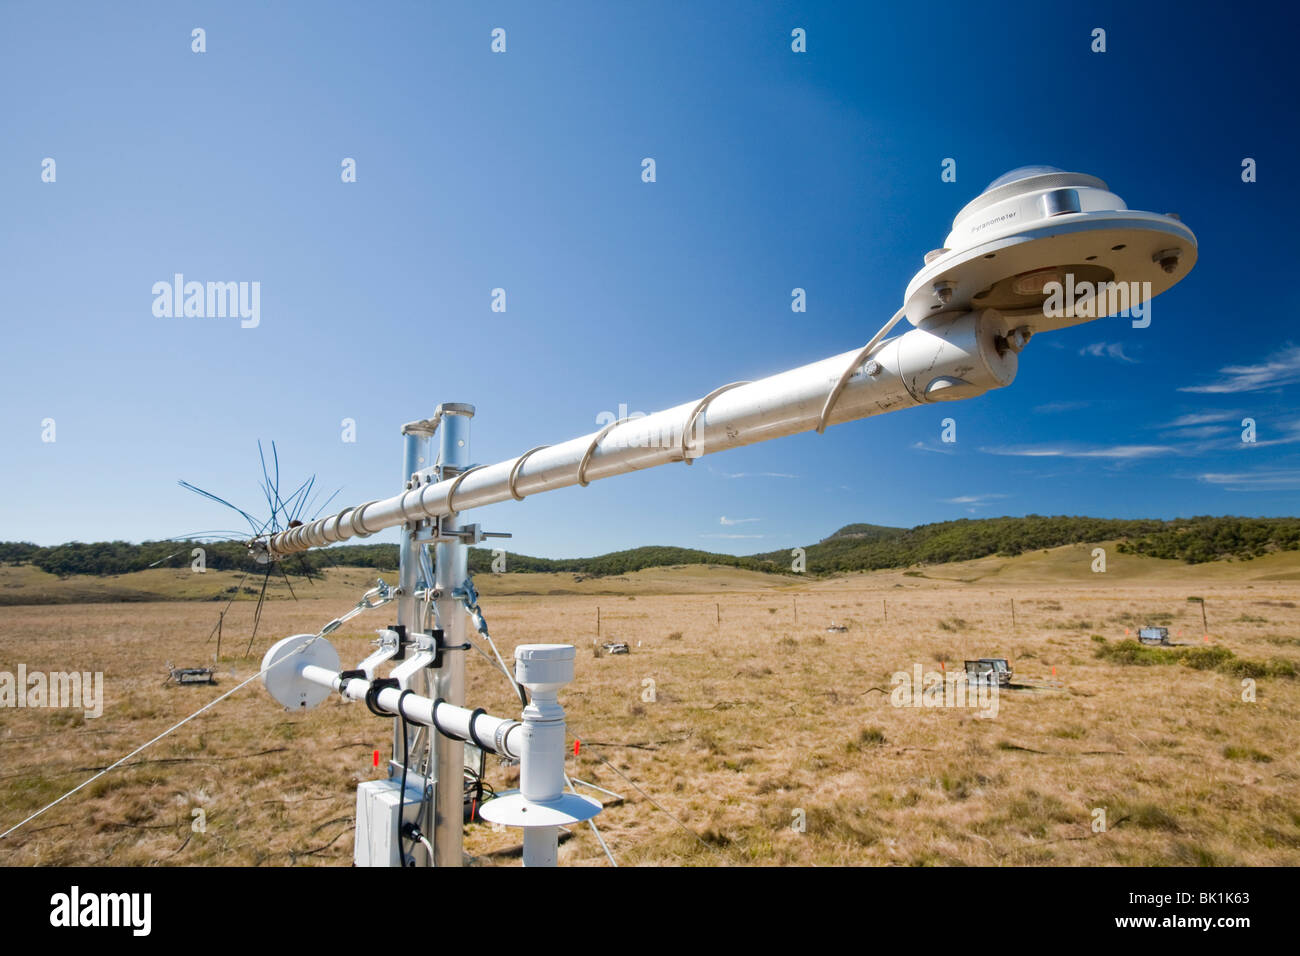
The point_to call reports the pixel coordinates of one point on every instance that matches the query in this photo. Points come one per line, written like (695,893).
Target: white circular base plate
(284,681)
(1119,244)
(512,810)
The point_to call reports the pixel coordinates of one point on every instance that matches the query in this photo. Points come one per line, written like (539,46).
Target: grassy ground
(741,728)
(24,584)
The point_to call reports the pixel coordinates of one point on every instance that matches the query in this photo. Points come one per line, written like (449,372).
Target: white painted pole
(501,735)
(543,669)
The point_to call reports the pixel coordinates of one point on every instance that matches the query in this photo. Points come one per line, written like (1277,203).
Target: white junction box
(377,842)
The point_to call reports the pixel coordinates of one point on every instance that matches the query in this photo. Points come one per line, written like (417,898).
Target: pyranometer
(1039,225)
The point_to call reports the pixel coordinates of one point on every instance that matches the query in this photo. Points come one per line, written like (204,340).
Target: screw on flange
(1168,259)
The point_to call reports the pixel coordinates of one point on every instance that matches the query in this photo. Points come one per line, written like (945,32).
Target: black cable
(406,757)
(477,790)
(424,790)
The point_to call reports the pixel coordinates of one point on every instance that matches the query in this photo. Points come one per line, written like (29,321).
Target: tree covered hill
(855,547)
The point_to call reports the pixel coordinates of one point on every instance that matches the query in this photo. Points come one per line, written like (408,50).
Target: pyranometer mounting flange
(1039,225)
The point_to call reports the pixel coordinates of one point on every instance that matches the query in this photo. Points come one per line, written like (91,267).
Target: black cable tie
(372,695)
(437,726)
(473,737)
(406,759)
(345,676)
(439,646)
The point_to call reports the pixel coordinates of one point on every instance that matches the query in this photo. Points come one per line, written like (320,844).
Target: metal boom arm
(951,357)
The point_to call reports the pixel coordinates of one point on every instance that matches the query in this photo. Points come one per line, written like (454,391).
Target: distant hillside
(873,547)
(855,547)
(867,532)
(122,557)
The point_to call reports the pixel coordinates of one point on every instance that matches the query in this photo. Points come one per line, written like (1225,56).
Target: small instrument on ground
(989,670)
(190,675)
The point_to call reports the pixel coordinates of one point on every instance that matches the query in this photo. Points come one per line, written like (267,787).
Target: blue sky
(521,170)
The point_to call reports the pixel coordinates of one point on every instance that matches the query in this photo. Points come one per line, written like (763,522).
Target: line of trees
(855,547)
(871,547)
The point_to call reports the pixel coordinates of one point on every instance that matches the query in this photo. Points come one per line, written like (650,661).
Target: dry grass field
(755,723)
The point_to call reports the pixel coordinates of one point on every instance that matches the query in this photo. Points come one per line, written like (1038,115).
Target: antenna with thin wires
(283,513)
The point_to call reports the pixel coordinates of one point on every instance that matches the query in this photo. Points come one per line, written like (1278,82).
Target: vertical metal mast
(415,457)
(451,571)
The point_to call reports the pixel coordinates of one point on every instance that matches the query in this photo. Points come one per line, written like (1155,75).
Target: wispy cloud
(976,500)
(1113,350)
(1280,480)
(1063,451)
(1222,432)
(1289,432)
(724,520)
(945,448)
(1052,408)
(1198,433)
(1203,431)
(751,474)
(1281,368)
(1200,418)
(733,536)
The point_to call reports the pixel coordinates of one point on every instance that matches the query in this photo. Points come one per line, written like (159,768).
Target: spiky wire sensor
(285,512)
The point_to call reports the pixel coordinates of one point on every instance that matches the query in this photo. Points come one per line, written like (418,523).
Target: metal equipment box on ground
(1153,635)
(989,670)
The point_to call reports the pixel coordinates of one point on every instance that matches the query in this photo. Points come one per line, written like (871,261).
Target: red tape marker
(576,744)
(376,758)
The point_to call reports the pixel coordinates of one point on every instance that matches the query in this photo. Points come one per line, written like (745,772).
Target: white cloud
(976,500)
(1053,407)
(1290,435)
(733,536)
(752,474)
(1254,480)
(1200,418)
(1114,350)
(1281,368)
(946,448)
(1059,451)
(1200,431)
(730,521)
